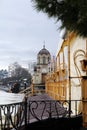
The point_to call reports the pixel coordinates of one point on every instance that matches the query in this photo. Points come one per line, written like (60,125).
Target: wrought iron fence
(21,114)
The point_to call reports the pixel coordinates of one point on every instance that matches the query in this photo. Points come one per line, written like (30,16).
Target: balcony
(40,111)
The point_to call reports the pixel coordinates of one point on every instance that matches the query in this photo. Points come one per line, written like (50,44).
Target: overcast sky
(23,32)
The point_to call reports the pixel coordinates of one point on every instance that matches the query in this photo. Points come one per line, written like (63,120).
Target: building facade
(71,65)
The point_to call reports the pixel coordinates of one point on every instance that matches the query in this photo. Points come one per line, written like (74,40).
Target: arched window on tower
(38,60)
(48,59)
(44,60)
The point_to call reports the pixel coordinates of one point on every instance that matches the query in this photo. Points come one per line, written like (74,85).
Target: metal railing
(21,114)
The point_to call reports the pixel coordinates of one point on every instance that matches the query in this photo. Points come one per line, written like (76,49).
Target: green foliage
(72,13)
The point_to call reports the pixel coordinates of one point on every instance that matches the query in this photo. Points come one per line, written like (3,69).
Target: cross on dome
(44,45)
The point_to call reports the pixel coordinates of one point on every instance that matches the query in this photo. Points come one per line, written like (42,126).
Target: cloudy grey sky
(23,31)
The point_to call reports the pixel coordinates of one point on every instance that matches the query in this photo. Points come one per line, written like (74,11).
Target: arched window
(39,60)
(48,59)
(44,60)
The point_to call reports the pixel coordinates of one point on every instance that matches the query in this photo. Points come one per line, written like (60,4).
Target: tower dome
(43,56)
(44,51)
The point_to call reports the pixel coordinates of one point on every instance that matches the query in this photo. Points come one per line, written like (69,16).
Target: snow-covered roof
(9,98)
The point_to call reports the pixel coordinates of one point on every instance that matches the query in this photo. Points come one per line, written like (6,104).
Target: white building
(41,69)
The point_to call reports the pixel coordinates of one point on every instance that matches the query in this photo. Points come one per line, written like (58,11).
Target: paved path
(40,97)
(42,106)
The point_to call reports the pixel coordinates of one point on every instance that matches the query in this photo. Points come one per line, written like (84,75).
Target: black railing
(23,113)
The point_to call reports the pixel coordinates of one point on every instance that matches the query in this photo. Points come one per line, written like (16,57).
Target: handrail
(32,91)
(23,113)
(27,91)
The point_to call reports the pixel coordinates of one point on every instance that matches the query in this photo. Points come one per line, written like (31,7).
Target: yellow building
(65,83)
